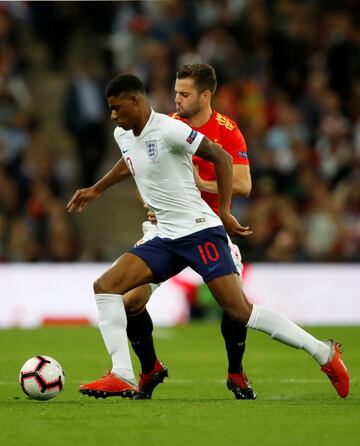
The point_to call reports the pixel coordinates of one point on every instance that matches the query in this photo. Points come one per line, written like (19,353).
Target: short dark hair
(203,74)
(124,83)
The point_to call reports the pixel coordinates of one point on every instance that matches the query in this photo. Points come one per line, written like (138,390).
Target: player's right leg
(140,327)
(229,294)
(163,263)
(128,272)
(139,331)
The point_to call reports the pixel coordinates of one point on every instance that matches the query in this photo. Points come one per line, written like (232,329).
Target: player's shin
(139,331)
(112,324)
(234,335)
(285,331)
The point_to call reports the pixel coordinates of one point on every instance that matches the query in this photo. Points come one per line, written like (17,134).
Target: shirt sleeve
(118,132)
(235,144)
(179,136)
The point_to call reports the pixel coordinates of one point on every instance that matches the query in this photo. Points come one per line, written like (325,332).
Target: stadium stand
(289,74)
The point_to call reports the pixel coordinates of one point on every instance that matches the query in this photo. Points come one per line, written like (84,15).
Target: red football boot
(336,370)
(148,381)
(109,385)
(240,386)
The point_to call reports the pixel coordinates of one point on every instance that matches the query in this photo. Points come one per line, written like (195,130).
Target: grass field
(296,404)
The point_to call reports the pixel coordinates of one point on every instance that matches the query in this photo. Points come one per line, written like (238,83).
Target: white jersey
(161,164)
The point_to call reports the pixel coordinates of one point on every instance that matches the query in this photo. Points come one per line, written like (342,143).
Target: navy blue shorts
(207,252)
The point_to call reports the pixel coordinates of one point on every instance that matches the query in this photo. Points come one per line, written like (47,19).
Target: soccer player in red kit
(224,132)
(194,88)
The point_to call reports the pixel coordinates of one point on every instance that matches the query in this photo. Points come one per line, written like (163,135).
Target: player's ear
(135,99)
(206,95)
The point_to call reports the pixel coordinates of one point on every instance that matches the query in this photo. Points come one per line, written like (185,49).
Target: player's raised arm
(224,178)
(82,196)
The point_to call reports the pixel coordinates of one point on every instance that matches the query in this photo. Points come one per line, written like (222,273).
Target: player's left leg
(230,296)
(234,335)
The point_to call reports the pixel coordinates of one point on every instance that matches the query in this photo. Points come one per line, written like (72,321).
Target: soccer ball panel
(41,377)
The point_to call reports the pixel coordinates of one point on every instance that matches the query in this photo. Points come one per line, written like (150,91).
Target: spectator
(85,119)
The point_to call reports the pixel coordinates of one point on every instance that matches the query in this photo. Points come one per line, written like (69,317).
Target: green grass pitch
(296,404)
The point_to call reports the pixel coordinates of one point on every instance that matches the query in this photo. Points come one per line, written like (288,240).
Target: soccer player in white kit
(157,153)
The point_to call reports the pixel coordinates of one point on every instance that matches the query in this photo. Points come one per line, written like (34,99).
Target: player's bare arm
(82,196)
(241,181)
(224,171)
(224,177)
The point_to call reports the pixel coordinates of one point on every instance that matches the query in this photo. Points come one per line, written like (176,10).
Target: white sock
(112,324)
(285,331)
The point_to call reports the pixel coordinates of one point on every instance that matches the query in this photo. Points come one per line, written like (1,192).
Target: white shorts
(150,231)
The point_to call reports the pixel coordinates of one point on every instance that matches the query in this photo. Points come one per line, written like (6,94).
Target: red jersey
(223,131)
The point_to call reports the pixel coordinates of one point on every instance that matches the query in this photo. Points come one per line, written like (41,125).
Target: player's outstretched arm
(82,196)
(224,176)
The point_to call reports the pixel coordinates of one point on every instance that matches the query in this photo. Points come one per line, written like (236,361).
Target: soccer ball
(41,378)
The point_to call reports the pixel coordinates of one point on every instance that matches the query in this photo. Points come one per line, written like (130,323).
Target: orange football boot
(336,370)
(109,385)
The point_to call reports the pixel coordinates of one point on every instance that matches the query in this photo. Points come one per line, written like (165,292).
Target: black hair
(203,74)
(124,83)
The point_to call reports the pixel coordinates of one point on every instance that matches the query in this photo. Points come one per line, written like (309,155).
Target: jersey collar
(149,121)
(213,114)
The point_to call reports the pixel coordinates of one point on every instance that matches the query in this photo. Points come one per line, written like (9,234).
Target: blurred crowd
(289,75)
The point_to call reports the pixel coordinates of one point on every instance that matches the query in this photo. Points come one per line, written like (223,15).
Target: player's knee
(239,317)
(136,299)
(134,312)
(110,283)
(239,314)
(130,305)
(101,286)
(98,287)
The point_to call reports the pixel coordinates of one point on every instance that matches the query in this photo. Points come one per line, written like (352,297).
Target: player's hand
(139,242)
(197,177)
(200,183)
(152,217)
(80,199)
(151,214)
(233,227)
